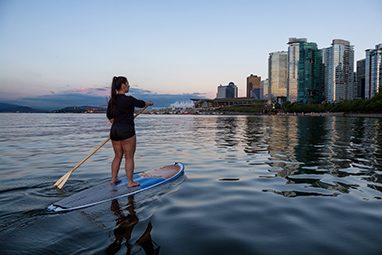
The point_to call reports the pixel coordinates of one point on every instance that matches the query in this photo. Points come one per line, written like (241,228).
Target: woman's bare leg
(118,154)
(129,146)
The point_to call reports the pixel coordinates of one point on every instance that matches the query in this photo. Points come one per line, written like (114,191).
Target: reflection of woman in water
(124,229)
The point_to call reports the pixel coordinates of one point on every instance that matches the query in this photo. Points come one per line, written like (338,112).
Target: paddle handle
(91,154)
(61,182)
(99,146)
(143,109)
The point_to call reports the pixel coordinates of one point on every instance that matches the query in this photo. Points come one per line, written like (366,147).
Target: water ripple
(253,185)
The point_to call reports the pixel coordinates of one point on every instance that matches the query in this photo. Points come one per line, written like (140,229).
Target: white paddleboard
(107,191)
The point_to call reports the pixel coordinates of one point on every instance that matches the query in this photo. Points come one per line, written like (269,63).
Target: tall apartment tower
(254,86)
(278,74)
(373,71)
(339,62)
(293,60)
(310,74)
(360,77)
(265,89)
(326,59)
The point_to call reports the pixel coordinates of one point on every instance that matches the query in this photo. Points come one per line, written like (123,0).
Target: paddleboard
(107,191)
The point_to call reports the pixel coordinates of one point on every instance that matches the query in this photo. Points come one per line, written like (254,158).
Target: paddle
(61,182)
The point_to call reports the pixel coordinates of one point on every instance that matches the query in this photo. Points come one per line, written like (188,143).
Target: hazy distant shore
(314,114)
(375,115)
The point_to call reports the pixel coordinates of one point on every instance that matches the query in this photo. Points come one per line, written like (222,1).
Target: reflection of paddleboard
(106,191)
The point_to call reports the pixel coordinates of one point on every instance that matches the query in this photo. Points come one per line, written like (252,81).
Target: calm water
(253,185)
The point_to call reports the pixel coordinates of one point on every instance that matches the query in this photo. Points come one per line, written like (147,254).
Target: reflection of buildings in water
(365,140)
(312,133)
(255,135)
(340,141)
(353,140)
(282,140)
(340,147)
(226,131)
(314,153)
(274,137)
(377,142)
(365,151)
(360,133)
(204,128)
(124,229)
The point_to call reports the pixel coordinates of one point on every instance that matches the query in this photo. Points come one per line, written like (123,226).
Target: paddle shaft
(61,182)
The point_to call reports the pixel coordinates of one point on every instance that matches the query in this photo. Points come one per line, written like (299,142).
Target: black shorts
(120,132)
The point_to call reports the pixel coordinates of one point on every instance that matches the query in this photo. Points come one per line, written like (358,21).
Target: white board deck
(107,191)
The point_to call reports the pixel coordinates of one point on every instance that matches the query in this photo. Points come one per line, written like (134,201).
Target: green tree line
(373,105)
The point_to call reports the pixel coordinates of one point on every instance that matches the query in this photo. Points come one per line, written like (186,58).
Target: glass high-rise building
(310,74)
(264,89)
(326,59)
(339,64)
(293,60)
(278,74)
(361,64)
(373,71)
(231,90)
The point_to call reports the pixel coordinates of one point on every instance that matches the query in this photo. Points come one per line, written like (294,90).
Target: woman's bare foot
(133,184)
(116,181)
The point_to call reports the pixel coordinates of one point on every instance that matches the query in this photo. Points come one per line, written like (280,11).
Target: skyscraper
(361,78)
(264,89)
(253,86)
(293,60)
(373,71)
(339,61)
(278,74)
(326,59)
(310,74)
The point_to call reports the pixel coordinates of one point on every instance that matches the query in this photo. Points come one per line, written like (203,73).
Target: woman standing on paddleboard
(120,112)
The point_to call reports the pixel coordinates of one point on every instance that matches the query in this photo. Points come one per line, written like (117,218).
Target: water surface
(253,185)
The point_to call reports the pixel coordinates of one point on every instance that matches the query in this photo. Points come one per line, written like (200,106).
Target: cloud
(98,97)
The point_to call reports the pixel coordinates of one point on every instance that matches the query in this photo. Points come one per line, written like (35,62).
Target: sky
(167,47)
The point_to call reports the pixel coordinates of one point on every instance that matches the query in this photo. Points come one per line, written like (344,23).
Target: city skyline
(171,47)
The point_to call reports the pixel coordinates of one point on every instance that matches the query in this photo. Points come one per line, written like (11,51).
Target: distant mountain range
(17,108)
(74,101)
(81,109)
(13,108)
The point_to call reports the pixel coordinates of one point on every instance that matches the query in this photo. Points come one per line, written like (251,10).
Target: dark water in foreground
(253,185)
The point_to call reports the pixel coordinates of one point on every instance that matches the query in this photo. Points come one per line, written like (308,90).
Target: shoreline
(344,114)
(311,114)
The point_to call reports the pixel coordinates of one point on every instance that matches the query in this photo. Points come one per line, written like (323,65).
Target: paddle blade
(61,182)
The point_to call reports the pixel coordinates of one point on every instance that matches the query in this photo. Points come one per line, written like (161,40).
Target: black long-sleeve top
(122,114)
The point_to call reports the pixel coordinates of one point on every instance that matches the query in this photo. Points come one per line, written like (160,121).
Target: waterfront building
(293,60)
(373,71)
(254,86)
(339,62)
(360,78)
(310,74)
(227,91)
(278,74)
(221,92)
(264,89)
(326,59)
(224,102)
